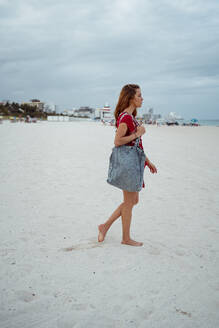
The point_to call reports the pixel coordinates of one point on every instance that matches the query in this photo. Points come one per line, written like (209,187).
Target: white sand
(53,194)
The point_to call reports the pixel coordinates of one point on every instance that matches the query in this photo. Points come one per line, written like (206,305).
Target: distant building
(70,112)
(146,117)
(36,103)
(104,113)
(84,111)
(156,117)
(150,117)
(56,118)
(172,117)
(65,112)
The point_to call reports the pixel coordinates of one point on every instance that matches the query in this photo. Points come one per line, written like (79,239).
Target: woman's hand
(151,167)
(140,131)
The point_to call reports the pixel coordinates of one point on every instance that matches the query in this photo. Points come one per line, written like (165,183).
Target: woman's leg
(130,199)
(103,228)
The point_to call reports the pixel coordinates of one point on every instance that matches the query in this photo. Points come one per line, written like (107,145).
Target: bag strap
(122,116)
(137,140)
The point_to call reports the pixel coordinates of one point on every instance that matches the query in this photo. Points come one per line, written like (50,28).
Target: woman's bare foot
(102,232)
(131,242)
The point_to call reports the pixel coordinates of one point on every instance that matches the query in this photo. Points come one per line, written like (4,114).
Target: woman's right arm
(120,138)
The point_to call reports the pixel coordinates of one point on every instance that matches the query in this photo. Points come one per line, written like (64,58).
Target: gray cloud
(82,52)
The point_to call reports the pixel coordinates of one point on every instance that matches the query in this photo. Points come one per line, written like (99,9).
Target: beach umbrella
(194,120)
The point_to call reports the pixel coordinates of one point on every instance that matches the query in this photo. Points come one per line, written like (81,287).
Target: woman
(128,129)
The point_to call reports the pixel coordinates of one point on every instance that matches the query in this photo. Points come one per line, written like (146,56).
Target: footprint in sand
(180,252)
(154,251)
(188,314)
(25,296)
(77,247)
(79,307)
(213,230)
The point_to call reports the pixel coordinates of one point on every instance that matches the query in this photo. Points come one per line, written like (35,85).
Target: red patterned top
(132,124)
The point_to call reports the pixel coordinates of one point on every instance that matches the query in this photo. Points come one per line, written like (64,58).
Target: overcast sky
(80,53)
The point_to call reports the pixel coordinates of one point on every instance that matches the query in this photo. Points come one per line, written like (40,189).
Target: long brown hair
(127,93)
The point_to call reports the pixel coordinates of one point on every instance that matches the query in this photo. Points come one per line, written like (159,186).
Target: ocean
(209,122)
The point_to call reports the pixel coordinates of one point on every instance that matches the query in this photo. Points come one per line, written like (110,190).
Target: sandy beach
(53,195)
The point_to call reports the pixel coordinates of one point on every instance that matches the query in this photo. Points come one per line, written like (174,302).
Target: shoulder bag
(126,167)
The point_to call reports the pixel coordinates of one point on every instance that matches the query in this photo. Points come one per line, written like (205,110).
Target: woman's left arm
(151,166)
